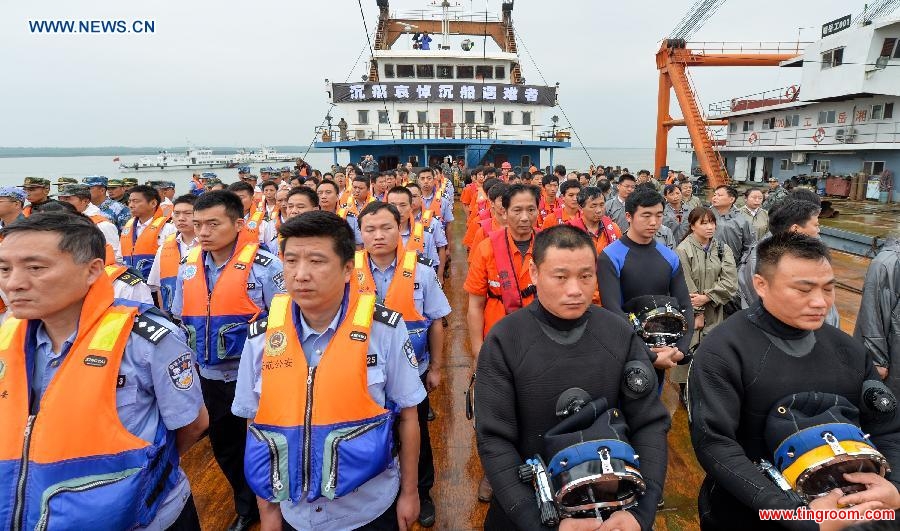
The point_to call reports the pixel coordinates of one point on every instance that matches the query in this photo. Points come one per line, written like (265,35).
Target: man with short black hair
(145,231)
(422,241)
(256,226)
(768,355)
(568,192)
(329,193)
(615,207)
(95,390)
(732,228)
(636,265)
(355,356)
(224,286)
(300,200)
(79,196)
(586,347)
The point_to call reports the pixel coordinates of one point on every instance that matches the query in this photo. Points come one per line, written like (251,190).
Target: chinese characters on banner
(444,92)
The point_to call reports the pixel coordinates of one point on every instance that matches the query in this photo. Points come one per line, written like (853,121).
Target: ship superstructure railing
(757,100)
(443,130)
(746,47)
(812,135)
(455,15)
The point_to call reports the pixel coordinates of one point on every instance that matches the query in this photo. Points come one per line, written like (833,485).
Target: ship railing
(454,15)
(810,135)
(751,47)
(757,100)
(438,130)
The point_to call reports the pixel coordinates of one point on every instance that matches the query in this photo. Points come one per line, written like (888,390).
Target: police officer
(778,347)
(115,211)
(407,282)
(167,192)
(145,231)
(533,356)
(224,286)
(257,227)
(401,198)
(358,363)
(127,184)
(79,196)
(164,273)
(101,395)
(115,189)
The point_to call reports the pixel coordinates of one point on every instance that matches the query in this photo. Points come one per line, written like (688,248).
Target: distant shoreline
(123,151)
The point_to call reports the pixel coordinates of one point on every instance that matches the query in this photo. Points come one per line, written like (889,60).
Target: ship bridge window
(891,48)
(405,71)
(425,71)
(403,117)
(444,72)
(388,71)
(888,111)
(470,117)
(484,72)
(732,127)
(826,117)
(748,125)
(362,117)
(882,111)
(499,72)
(832,58)
(526,117)
(768,123)
(421,117)
(792,120)
(383,117)
(507,118)
(465,72)
(489,117)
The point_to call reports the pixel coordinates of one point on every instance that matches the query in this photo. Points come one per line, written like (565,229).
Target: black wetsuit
(740,370)
(626,269)
(528,360)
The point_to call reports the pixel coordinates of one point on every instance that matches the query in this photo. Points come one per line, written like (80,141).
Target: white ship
(203,158)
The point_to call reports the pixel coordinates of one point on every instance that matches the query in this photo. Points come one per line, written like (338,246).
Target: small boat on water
(204,158)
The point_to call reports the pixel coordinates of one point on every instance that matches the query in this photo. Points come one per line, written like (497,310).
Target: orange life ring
(819,135)
(753,138)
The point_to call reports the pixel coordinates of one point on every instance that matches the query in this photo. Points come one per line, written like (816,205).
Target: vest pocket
(354,455)
(230,341)
(266,464)
(104,501)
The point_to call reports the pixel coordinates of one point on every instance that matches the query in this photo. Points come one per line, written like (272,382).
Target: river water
(14,170)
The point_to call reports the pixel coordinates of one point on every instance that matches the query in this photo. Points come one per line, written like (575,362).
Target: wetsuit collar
(553,321)
(759,316)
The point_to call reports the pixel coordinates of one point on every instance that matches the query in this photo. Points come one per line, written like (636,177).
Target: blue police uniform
(392,378)
(429,251)
(446,206)
(435,232)
(156,385)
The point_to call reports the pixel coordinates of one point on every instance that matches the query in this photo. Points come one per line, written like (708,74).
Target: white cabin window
(362,117)
(732,127)
(388,70)
(891,48)
(405,71)
(465,72)
(470,117)
(888,111)
(821,166)
(422,117)
(832,58)
(792,120)
(826,117)
(507,118)
(499,72)
(383,117)
(768,123)
(445,72)
(872,167)
(786,164)
(748,125)
(484,72)
(526,117)
(489,117)
(425,71)
(877,111)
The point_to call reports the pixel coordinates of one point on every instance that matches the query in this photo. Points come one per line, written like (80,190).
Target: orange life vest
(75,463)
(325,438)
(217,316)
(170,258)
(250,232)
(140,251)
(512,295)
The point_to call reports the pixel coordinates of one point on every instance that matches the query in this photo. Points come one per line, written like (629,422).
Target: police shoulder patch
(424,260)
(385,315)
(181,372)
(262,260)
(130,278)
(257,328)
(149,329)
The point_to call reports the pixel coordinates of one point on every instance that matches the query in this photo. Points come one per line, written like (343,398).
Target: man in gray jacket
(732,227)
(878,321)
(615,207)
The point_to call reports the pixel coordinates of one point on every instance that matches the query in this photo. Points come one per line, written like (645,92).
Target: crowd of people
(297,318)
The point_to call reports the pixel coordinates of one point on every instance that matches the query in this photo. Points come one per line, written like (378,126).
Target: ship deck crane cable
(558,104)
(362,14)
(878,9)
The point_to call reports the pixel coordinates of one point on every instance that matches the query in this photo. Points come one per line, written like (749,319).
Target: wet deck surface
(456,459)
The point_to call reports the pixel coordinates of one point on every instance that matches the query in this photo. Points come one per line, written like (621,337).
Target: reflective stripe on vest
(169,260)
(510,293)
(416,240)
(139,251)
(74,465)
(606,224)
(217,318)
(325,438)
(399,296)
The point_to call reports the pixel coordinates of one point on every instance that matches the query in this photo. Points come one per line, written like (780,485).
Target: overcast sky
(244,73)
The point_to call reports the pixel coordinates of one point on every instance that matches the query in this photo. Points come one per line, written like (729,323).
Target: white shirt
(109,230)
(140,292)
(184,247)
